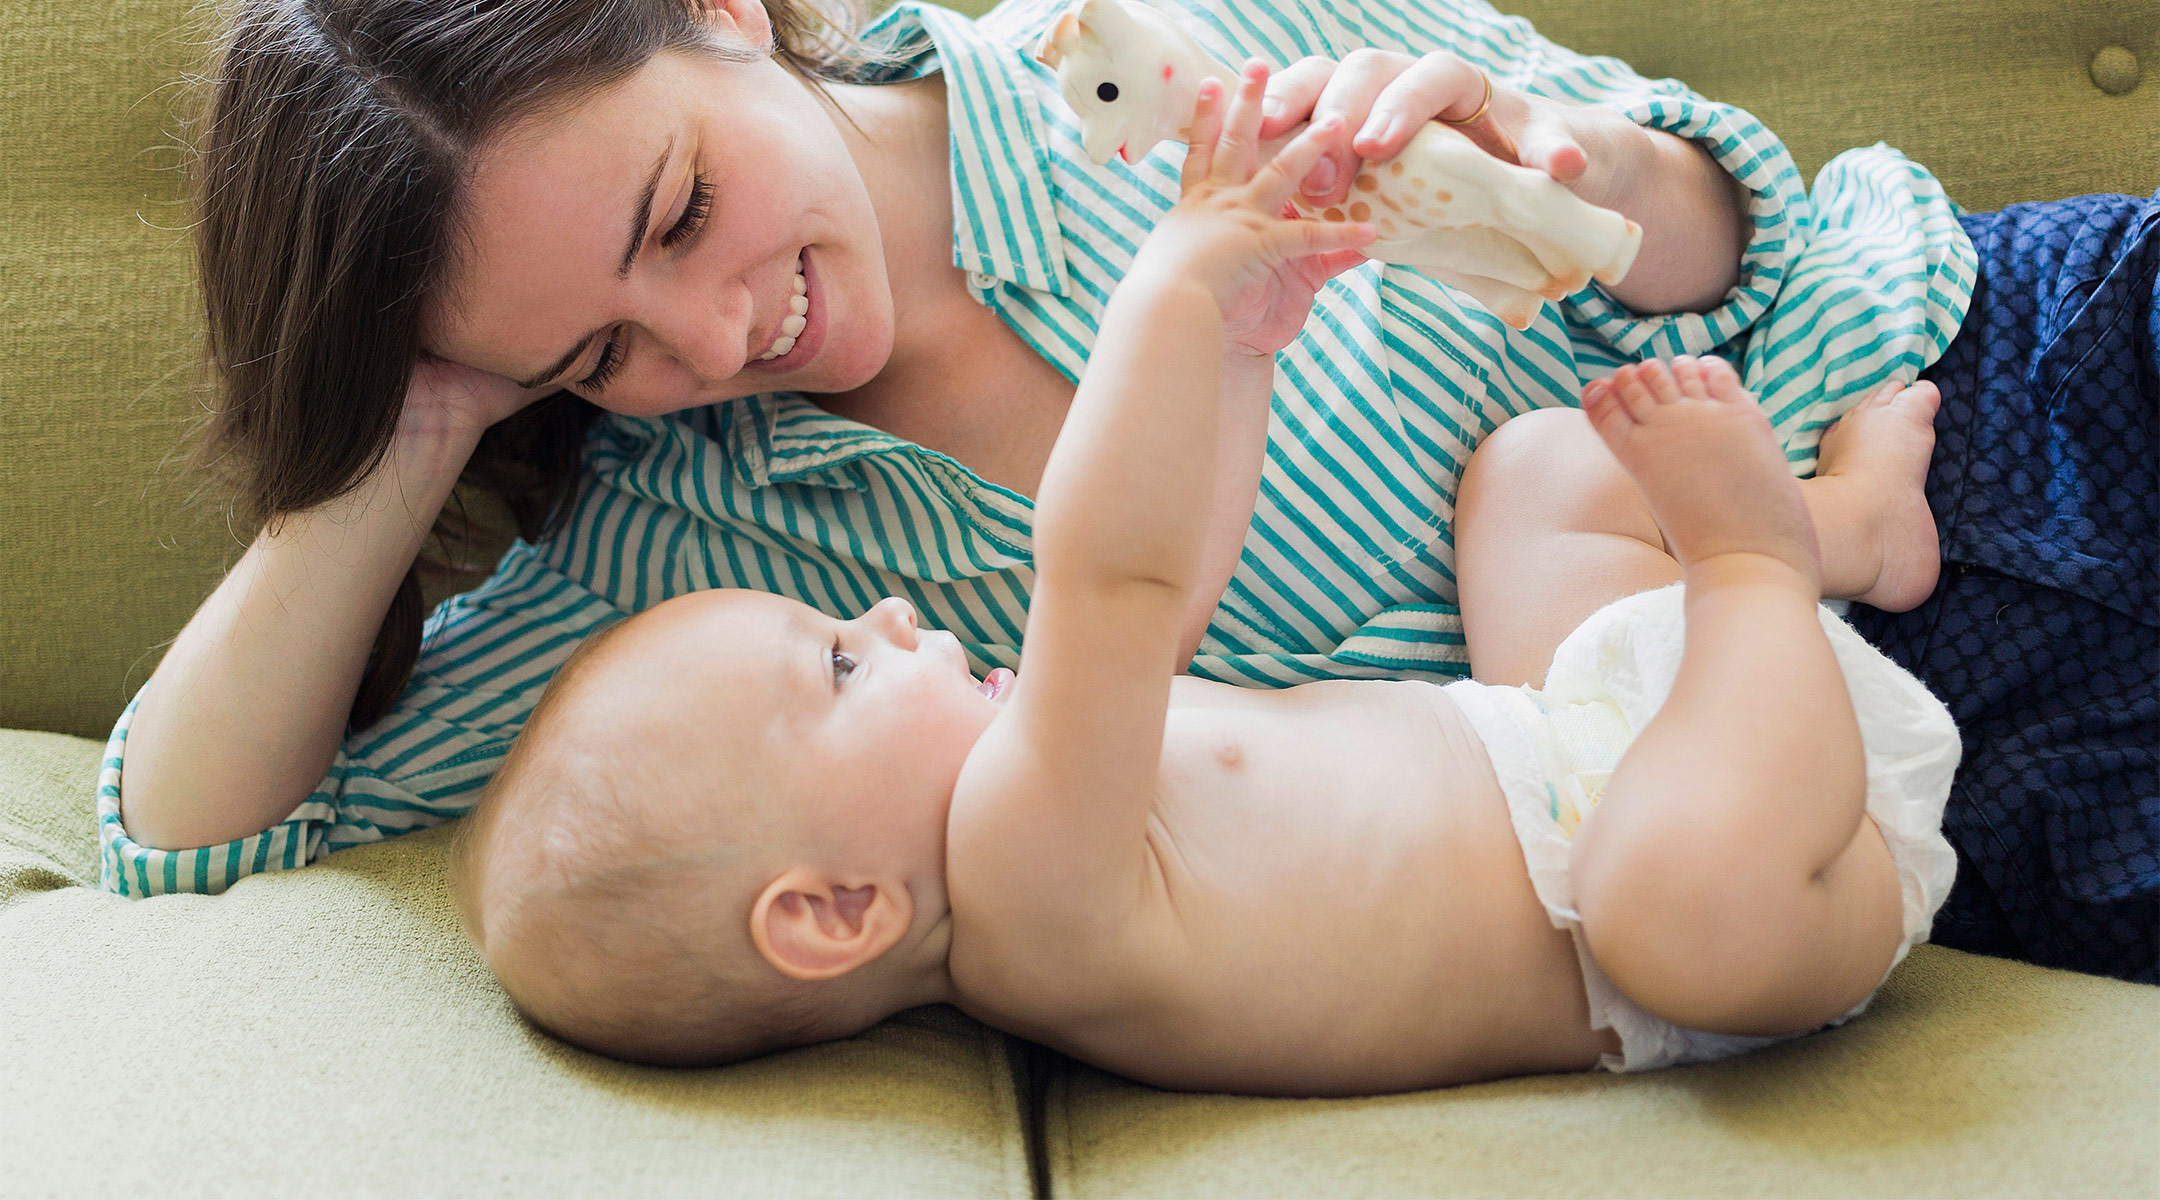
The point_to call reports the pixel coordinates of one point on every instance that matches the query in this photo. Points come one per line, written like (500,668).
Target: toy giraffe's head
(1131,76)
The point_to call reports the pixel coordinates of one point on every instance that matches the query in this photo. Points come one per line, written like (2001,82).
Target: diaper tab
(1578,745)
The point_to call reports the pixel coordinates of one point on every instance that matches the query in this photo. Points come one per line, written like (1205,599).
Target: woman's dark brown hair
(328,180)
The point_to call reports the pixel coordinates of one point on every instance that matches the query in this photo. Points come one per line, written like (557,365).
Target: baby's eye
(842,667)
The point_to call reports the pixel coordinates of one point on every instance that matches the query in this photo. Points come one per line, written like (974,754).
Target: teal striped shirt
(1348,569)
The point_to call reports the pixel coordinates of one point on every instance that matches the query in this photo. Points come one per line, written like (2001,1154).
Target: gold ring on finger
(1483,104)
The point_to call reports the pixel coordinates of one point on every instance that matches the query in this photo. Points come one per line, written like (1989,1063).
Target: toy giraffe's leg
(1567,273)
(1482,251)
(1514,306)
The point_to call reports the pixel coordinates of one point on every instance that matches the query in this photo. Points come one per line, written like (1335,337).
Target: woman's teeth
(792,325)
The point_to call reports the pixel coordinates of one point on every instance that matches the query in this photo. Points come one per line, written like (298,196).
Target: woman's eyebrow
(641,220)
(640,223)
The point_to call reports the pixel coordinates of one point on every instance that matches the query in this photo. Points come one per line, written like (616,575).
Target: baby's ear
(810,926)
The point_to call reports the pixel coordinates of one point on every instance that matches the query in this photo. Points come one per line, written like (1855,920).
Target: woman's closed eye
(684,228)
(693,217)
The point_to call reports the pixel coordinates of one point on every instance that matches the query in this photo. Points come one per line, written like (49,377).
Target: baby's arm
(1248,389)
(1050,813)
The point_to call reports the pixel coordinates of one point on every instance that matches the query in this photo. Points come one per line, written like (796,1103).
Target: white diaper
(1553,748)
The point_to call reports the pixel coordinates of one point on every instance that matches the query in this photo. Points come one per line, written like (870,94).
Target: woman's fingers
(1437,86)
(1545,144)
(1294,162)
(1291,93)
(1349,93)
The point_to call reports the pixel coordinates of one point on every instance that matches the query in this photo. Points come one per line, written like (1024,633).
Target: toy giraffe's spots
(1437,184)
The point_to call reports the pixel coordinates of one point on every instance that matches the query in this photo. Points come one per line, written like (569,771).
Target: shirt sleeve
(1878,293)
(1515,55)
(485,657)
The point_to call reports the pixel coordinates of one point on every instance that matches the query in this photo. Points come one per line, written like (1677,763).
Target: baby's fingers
(1330,247)
(1206,128)
(1275,184)
(1239,152)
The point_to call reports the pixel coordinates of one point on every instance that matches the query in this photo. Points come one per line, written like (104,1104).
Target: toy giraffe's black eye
(1106,92)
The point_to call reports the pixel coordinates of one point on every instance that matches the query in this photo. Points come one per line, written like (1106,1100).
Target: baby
(1681,811)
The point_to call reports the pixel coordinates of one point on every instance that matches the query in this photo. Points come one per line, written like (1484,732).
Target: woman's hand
(1693,214)
(1232,229)
(450,405)
(1384,98)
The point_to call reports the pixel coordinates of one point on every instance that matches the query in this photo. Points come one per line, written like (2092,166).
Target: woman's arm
(1693,215)
(243,717)
(244,714)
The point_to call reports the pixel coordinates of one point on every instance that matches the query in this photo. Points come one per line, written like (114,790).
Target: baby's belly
(1341,861)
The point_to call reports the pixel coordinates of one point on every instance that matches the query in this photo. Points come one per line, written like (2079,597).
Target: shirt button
(2114,70)
(981,281)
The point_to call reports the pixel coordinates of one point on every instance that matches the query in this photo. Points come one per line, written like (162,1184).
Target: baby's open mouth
(996,683)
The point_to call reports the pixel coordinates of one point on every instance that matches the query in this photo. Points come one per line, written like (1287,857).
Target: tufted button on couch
(327,1032)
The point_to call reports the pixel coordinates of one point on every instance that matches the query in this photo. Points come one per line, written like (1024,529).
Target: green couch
(328,1032)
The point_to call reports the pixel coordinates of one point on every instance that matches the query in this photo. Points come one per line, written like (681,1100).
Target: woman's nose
(708,335)
(895,618)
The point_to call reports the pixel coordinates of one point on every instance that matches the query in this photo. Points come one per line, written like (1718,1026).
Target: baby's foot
(1704,457)
(1880,449)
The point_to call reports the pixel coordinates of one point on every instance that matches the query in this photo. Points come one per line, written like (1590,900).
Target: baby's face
(865,722)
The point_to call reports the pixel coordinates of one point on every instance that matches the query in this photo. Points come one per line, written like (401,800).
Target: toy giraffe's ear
(1104,19)
(1060,35)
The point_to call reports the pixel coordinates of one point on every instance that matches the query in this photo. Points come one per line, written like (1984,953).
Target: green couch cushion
(99,337)
(1969,1076)
(1996,97)
(329,1032)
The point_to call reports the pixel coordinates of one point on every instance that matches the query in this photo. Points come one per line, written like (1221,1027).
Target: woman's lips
(808,342)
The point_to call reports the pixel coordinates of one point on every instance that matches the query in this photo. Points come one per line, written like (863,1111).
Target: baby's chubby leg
(1728,880)
(1550,527)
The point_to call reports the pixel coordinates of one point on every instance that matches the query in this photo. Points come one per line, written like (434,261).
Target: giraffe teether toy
(1508,236)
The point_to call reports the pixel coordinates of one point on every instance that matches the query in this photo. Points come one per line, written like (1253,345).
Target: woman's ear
(811,927)
(744,19)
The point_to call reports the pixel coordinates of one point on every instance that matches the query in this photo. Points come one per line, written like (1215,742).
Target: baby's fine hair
(608,927)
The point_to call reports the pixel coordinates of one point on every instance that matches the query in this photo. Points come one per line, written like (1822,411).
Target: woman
(418,220)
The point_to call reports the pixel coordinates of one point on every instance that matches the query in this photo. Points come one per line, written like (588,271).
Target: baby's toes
(1724,382)
(1918,402)
(1687,377)
(1608,415)
(1633,393)
(1657,376)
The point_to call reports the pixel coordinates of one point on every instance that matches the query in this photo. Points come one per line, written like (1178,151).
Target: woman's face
(641,249)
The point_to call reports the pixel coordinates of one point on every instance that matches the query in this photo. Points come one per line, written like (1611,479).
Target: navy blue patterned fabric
(2042,636)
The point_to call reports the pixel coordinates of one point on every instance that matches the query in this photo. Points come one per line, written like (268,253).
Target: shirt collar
(1004,224)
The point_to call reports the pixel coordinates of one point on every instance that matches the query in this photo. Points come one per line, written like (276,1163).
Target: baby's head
(722,831)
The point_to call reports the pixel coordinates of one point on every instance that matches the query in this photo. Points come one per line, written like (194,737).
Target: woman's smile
(801,330)
(765,239)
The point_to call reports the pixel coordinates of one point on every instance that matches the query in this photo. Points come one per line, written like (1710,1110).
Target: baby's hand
(1233,231)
